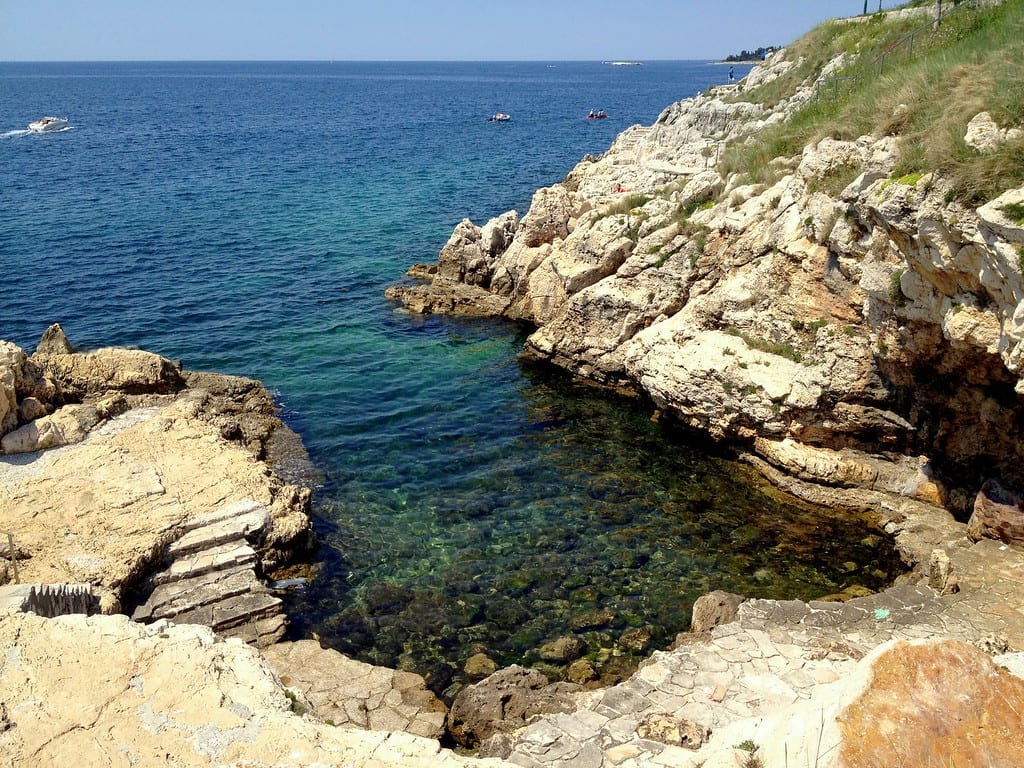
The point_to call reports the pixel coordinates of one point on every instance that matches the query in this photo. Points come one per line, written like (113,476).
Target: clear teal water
(247,218)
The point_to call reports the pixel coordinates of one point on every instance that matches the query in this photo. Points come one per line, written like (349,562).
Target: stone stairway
(210,578)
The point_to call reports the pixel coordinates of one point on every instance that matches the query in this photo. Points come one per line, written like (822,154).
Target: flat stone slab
(349,692)
(173,598)
(232,612)
(228,555)
(240,525)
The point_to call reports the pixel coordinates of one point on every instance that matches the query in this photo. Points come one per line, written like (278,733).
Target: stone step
(220,531)
(262,633)
(218,558)
(228,511)
(172,598)
(232,612)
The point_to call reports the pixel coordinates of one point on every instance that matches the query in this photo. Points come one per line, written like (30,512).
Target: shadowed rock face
(877,319)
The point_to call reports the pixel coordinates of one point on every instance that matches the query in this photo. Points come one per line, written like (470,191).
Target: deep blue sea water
(247,217)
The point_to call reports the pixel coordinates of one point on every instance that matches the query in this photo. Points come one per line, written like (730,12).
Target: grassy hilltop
(905,78)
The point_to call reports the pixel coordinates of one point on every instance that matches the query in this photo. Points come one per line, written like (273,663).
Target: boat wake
(25,132)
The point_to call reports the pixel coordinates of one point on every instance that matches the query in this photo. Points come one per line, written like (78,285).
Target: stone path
(774,655)
(347,692)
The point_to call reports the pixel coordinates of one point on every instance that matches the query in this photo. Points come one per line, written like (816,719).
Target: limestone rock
(581,672)
(998,514)
(947,702)
(127,490)
(929,702)
(677,731)
(714,609)
(984,135)
(635,639)
(54,342)
(65,426)
(131,371)
(548,219)
(12,361)
(941,577)
(352,693)
(504,702)
(479,666)
(163,695)
(563,649)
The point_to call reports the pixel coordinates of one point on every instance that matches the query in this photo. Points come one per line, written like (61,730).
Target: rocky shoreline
(855,333)
(154,489)
(199,443)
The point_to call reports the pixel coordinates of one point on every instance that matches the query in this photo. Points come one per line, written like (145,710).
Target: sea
(246,218)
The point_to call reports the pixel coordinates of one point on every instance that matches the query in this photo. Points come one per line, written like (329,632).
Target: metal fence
(903,48)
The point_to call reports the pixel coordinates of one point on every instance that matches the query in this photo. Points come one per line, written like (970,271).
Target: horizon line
(355,61)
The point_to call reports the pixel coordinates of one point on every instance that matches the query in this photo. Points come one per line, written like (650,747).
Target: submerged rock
(504,702)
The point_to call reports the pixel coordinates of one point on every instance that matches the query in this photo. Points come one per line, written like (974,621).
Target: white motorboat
(44,124)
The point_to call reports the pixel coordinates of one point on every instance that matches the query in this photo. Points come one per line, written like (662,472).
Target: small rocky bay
(590,525)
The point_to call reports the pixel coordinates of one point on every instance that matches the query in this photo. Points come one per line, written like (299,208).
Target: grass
(626,204)
(781,349)
(835,180)
(1015,211)
(974,62)
(297,706)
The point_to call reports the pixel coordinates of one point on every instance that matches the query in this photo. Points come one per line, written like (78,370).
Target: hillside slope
(848,308)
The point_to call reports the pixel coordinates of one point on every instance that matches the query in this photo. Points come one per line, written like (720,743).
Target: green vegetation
(782,349)
(297,706)
(895,291)
(813,326)
(835,180)
(1015,211)
(910,179)
(756,55)
(626,204)
(905,79)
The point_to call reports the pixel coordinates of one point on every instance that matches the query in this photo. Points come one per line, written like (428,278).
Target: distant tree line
(746,55)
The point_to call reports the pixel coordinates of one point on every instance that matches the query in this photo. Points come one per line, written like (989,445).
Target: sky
(412,30)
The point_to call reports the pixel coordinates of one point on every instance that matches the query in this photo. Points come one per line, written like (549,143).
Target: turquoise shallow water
(247,217)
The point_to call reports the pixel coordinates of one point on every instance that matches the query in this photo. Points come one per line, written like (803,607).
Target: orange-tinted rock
(998,514)
(938,704)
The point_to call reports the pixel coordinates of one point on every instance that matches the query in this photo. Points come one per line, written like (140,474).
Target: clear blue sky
(95,30)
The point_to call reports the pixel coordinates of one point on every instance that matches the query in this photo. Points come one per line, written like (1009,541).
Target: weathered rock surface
(829,308)
(350,693)
(998,514)
(102,690)
(119,491)
(505,702)
(714,609)
(831,684)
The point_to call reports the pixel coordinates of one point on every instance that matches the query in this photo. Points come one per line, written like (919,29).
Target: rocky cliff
(850,326)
